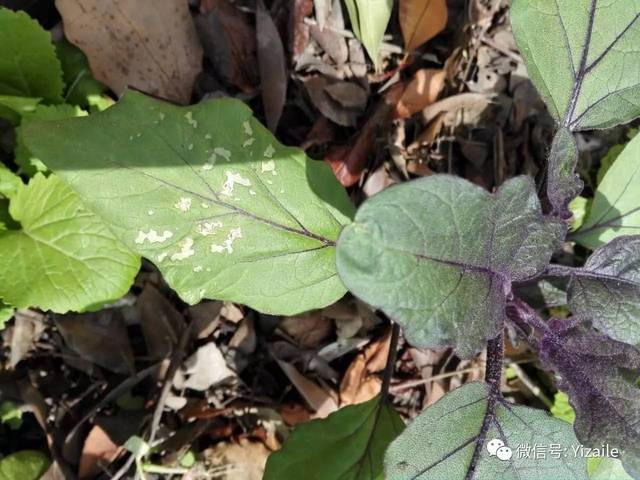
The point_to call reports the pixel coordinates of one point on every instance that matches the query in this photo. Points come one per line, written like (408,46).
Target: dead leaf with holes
(421,20)
(149,45)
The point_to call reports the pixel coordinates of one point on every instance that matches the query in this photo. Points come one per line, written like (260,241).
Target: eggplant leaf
(608,289)
(582,56)
(563,184)
(458,437)
(63,258)
(209,196)
(28,63)
(615,210)
(349,444)
(438,255)
(600,375)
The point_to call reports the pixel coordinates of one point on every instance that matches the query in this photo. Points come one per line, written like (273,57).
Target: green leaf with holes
(369,19)
(615,210)
(349,444)
(209,196)
(63,257)
(439,254)
(29,66)
(469,433)
(582,56)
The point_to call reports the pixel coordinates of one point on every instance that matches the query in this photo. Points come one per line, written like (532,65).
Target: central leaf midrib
(451,263)
(233,208)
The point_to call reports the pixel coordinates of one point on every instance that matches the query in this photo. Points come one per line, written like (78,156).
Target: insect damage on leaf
(209,195)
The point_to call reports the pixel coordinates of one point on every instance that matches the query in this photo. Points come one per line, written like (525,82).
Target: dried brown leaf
(422,91)
(229,43)
(162,324)
(307,330)
(360,383)
(98,451)
(99,337)
(272,66)
(150,45)
(26,330)
(421,20)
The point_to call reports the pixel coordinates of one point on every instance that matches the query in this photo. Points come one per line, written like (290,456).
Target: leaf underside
(600,376)
(349,445)
(608,291)
(439,254)
(209,196)
(64,257)
(440,443)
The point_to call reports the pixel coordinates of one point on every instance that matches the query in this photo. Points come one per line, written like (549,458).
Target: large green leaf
(456,439)
(208,195)
(349,445)
(28,63)
(24,465)
(29,163)
(583,57)
(64,257)
(369,19)
(439,255)
(615,210)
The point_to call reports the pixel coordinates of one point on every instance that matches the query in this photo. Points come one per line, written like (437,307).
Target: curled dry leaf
(150,45)
(421,20)
(360,383)
(348,161)
(272,66)
(421,92)
(162,324)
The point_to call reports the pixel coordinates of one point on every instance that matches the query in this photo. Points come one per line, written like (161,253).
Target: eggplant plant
(224,211)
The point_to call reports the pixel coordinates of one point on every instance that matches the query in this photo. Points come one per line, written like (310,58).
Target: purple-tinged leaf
(563,185)
(471,434)
(608,289)
(438,255)
(600,375)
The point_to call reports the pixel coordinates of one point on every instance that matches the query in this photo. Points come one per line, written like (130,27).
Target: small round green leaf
(24,465)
